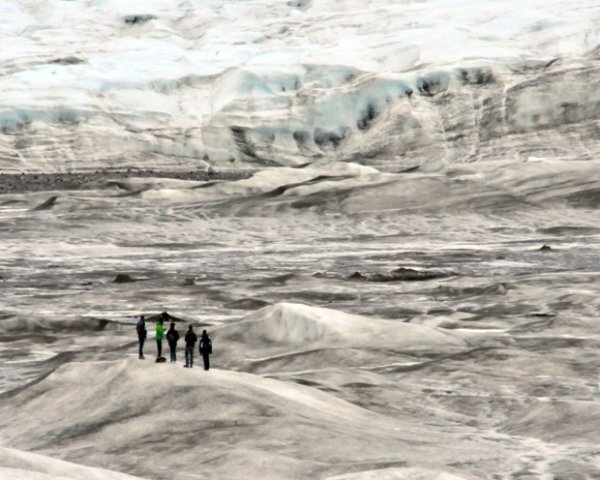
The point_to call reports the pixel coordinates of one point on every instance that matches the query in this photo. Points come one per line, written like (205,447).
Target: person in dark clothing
(141,332)
(205,349)
(190,342)
(172,338)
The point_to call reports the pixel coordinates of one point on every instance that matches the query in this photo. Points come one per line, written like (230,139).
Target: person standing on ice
(190,343)
(160,333)
(205,349)
(141,331)
(172,337)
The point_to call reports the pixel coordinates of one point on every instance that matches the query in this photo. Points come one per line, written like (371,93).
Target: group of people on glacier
(172,335)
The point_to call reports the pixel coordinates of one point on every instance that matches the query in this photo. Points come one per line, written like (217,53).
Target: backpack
(205,345)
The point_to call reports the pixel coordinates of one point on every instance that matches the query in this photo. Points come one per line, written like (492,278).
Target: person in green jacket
(160,333)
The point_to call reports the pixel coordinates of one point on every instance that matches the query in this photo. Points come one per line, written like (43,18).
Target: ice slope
(287,415)
(18,465)
(174,423)
(153,420)
(175,83)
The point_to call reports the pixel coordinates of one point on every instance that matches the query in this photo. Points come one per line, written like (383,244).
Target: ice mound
(170,417)
(398,474)
(269,180)
(291,324)
(18,465)
(103,388)
(128,405)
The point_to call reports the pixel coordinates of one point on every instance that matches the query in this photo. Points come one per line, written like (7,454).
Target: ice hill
(17,465)
(282,416)
(171,83)
(290,337)
(168,419)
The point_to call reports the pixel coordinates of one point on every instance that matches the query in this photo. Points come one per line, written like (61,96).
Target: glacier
(263,84)
(384,213)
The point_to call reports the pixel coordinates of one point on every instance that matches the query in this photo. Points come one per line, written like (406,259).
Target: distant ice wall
(191,84)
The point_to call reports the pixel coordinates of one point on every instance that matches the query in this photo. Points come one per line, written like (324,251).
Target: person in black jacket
(141,332)
(190,342)
(172,337)
(205,349)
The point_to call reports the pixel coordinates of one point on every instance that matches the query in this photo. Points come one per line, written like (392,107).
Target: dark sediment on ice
(37,182)
(124,278)
(400,274)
